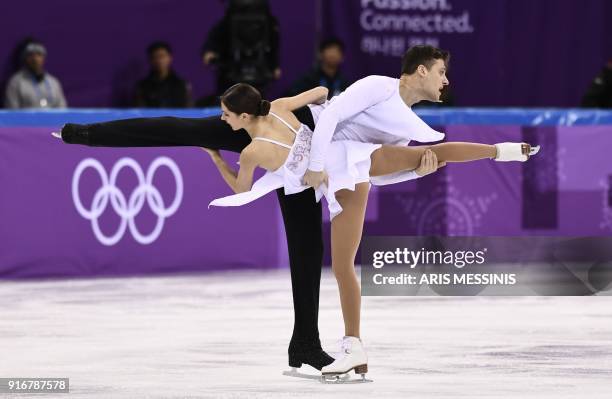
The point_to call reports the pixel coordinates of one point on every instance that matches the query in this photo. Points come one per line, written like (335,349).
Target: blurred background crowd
(244,45)
(241,47)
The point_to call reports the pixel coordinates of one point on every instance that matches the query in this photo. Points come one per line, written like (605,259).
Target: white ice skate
(515,151)
(353,357)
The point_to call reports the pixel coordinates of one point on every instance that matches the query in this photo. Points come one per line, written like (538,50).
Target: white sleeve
(393,178)
(358,97)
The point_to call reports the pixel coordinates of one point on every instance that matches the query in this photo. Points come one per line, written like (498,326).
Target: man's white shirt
(370,110)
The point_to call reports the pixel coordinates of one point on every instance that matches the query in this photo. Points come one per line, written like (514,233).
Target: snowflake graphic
(452,214)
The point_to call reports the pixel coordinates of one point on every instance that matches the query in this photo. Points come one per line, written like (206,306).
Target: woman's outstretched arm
(242,180)
(318,95)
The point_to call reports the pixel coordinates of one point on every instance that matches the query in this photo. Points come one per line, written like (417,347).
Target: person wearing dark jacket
(599,94)
(244,45)
(162,88)
(327,71)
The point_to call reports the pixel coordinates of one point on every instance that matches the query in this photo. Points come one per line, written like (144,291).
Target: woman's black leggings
(301,213)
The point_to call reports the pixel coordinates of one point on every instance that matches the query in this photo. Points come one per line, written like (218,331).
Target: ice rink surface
(225,335)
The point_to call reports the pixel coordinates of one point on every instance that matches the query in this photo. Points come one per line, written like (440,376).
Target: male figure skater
(301,213)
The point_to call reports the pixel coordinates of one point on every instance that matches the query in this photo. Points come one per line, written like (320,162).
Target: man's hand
(429,163)
(314,179)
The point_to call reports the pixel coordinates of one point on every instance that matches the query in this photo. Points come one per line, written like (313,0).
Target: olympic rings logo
(127,209)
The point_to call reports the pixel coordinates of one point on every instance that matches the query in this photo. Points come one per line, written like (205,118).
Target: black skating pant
(301,213)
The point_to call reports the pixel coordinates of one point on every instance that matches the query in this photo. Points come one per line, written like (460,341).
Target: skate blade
(56,134)
(534,150)
(343,379)
(294,373)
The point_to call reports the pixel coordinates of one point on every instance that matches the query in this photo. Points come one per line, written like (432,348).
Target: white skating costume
(370,110)
(348,165)
(348,129)
(380,118)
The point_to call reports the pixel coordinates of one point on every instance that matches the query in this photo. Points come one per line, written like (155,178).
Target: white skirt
(347,164)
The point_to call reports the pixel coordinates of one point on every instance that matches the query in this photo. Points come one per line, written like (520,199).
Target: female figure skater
(281,145)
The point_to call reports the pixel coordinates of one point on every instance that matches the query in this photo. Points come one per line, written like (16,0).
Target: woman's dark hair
(244,98)
(422,55)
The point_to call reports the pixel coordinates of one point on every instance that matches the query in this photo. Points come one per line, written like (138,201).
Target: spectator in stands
(162,88)
(326,72)
(32,86)
(599,94)
(243,46)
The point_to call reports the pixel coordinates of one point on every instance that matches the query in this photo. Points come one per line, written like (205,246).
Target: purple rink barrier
(63,213)
(43,234)
(564,190)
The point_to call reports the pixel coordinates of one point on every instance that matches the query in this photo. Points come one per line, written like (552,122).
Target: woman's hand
(314,179)
(212,153)
(324,94)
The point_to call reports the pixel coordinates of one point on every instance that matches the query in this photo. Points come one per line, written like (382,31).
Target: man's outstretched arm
(360,96)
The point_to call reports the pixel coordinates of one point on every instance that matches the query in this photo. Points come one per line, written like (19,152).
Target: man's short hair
(158,45)
(422,55)
(331,42)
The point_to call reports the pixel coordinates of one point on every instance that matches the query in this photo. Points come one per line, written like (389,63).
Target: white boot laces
(346,346)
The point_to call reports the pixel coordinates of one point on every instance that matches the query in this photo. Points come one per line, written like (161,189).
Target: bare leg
(346,230)
(390,159)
